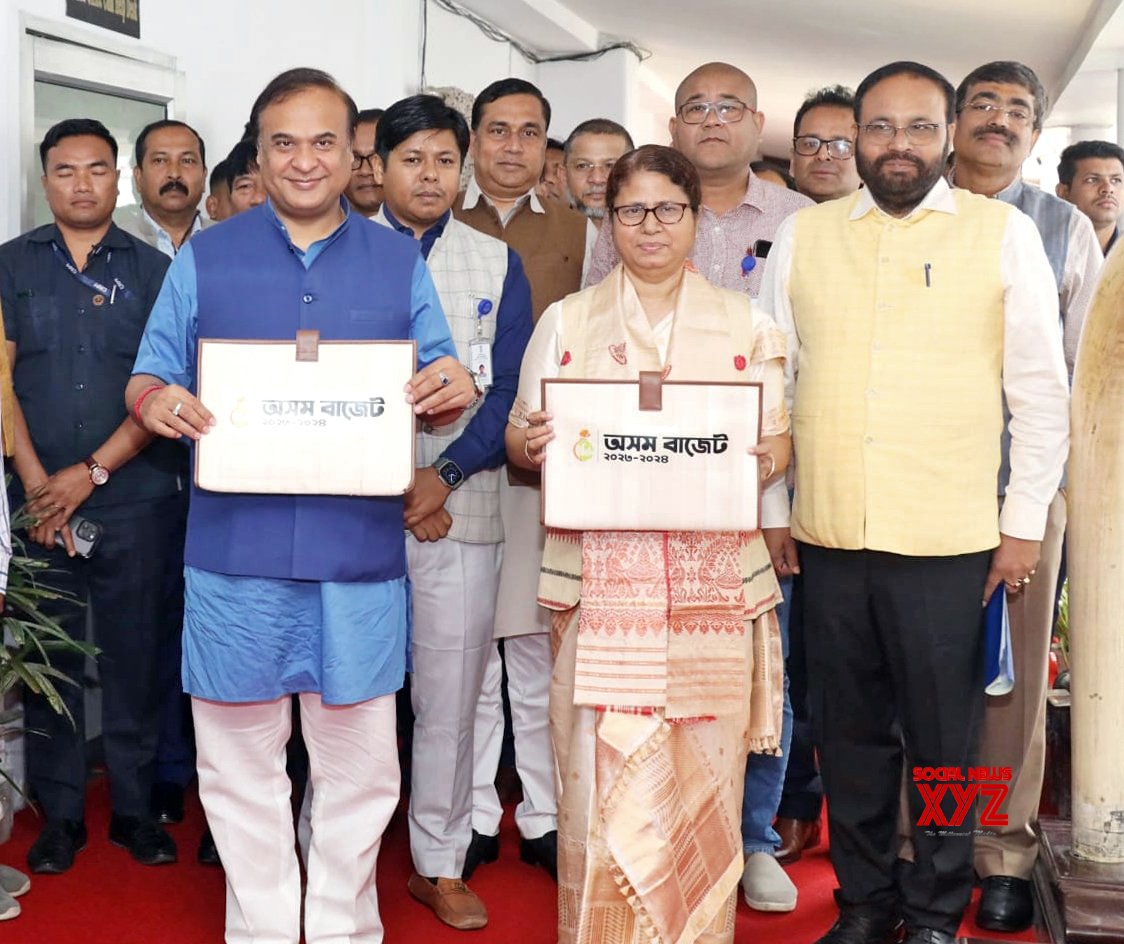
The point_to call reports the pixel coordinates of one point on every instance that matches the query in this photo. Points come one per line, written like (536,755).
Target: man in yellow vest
(911,310)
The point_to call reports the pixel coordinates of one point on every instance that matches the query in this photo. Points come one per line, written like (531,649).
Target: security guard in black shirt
(76,295)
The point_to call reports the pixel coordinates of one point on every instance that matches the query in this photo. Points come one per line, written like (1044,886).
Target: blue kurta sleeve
(167,348)
(427,321)
(481,445)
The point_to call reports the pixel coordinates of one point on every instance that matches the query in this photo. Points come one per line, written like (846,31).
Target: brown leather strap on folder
(651,390)
(308,345)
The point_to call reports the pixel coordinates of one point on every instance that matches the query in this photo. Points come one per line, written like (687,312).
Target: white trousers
(528,686)
(453,586)
(353,765)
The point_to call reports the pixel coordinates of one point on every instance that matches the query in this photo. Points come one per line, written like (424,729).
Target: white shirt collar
(939,199)
(473,193)
(163,238)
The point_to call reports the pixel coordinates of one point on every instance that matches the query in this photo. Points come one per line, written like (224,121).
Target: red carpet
(109,899)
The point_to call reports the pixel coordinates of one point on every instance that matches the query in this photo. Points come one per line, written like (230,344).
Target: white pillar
(1096,597)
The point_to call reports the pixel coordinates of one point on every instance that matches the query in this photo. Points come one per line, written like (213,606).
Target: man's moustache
(912,158)
(995,129)
(174,185)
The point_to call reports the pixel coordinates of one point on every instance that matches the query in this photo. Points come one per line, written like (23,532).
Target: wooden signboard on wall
(121,16)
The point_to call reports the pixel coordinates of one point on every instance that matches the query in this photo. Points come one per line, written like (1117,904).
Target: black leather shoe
(542,851)
(167,802)
(1007,904)
(208,854)
(928,936)
(864,924)
(481,850)
(144,838)
(59,841)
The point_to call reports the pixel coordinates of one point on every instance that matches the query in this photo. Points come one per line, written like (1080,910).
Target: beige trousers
(1014,725)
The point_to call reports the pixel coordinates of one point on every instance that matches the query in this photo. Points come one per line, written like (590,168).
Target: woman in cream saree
(668,665)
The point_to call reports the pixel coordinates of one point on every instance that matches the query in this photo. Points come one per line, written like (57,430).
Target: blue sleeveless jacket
(252,284)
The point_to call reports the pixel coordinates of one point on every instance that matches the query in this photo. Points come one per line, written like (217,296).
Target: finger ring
(444,378)
(176,409)
(1025,580)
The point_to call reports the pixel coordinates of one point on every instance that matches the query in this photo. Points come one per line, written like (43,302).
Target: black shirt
(75,348)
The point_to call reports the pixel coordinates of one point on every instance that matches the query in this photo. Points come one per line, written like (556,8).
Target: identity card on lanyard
(101,290)
(480,348)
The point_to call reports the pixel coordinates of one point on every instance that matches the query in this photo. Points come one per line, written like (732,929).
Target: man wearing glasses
(823,165)
(823,145)
(717,127)
(364,195)
(911,310)
(588,155)
(1000,108)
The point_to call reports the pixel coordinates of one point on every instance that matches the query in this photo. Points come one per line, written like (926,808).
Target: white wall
(458,54)
(228,49)
(653,103)
(599,88)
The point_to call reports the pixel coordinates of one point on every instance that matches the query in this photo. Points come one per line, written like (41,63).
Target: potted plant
(30,639)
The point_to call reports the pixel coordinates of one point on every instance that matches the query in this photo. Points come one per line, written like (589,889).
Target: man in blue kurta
(285,593)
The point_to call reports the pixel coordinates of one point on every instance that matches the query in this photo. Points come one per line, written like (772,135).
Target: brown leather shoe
(796,836)
(451,900)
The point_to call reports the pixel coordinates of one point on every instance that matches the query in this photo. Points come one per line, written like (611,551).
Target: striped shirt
(723,242)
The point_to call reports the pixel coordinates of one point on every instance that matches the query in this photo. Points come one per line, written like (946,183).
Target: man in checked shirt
(717,126)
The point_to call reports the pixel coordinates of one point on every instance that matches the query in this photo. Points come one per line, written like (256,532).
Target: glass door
(122,115)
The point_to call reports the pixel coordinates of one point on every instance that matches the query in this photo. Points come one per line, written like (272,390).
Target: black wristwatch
(449,472)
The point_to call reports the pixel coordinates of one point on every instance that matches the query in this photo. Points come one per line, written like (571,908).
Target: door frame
(67,54)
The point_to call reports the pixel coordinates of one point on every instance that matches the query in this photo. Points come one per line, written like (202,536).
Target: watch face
(451,475)
(99,475)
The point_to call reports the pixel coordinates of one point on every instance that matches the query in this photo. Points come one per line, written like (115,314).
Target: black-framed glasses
(1017,115)
(729,111)
(917,132)
(358,160)
(633,214)
(808,145)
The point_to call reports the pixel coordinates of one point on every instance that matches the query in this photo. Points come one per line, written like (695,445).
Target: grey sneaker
(9,907)
(12,882)
(765,886)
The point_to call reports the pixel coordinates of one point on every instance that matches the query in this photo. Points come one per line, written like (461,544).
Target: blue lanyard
(90,283)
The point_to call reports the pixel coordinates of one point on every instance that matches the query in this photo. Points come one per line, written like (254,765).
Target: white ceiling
(1089,100)
(790,47)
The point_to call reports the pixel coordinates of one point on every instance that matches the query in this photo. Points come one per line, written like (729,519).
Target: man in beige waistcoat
(911,309)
